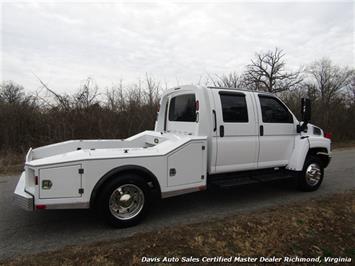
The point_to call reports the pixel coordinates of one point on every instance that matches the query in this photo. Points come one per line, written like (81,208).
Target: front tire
(124,200)
(311,177)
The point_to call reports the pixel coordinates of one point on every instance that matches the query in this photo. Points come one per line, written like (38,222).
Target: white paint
(66,182)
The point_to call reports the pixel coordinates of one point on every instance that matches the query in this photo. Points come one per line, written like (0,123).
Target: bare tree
(11,93)
(267,73)
(329,79)
(116,98)
(152,91)
(329,84)
(352,90)
(87,94)
(231,80)
(62,100)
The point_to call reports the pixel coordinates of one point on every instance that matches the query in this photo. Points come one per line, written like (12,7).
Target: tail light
(197,105)
(201,188)
(41,207)
(36,180)
(328,135)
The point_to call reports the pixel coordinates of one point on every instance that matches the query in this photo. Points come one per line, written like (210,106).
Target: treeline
(123,110)
(32,120)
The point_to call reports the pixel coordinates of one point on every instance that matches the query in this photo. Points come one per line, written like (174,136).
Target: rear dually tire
(124,200)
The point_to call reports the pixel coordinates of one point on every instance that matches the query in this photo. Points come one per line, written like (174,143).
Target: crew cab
(203,137)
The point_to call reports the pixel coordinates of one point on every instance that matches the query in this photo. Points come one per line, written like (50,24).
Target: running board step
(250,177)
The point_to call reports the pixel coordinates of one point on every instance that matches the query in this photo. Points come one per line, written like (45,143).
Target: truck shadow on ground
(217,203)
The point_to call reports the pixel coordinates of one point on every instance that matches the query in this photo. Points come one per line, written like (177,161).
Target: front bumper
(22,198)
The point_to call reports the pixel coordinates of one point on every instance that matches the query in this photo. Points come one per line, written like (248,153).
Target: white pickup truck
(204,136)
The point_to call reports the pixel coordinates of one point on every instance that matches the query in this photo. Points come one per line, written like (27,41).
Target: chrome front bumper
(22,198)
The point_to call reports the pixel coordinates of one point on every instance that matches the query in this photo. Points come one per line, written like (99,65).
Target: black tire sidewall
(105,193)
(302,183)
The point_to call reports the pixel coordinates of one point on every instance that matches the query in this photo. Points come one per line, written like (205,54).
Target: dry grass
(323,227)
(11,163)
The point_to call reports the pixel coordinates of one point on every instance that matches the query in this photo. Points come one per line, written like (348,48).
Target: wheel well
(148,176)
(323,157)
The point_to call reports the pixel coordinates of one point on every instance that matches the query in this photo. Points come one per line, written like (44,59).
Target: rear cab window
(182,108)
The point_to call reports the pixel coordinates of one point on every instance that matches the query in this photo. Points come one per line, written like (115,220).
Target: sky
(64,43)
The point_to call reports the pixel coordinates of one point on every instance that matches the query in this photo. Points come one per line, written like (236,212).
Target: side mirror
(305,112)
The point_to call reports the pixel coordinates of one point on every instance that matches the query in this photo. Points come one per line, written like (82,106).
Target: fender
(146,174)
(299,154)
(308,145)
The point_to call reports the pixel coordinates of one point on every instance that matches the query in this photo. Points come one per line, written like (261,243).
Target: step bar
(227,180)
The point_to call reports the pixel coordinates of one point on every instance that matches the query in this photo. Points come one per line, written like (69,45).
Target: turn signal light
(328,135)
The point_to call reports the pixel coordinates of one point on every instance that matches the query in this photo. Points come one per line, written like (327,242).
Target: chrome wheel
(126,201)
(313,174)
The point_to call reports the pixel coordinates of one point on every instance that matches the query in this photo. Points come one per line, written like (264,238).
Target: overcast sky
(64,43)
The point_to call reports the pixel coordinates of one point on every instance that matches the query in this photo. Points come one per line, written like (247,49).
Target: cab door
(277,132)
(237,132)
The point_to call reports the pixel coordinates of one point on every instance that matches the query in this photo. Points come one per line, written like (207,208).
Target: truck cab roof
(199,87)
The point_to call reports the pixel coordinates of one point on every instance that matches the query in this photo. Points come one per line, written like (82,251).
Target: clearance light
(328,135)
(197,105)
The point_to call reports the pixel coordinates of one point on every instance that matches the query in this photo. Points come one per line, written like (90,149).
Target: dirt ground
(322,227)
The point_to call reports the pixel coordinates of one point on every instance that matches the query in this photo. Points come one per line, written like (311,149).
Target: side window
(234,107)
(183,108)
(273,111)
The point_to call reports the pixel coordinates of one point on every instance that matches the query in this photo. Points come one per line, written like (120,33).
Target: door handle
(221,131)
(261,130)
(215,120)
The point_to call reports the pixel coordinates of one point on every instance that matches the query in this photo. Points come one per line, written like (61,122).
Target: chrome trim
(24,202)
(313,174)
(22,198)
(126,202)
(324,153)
